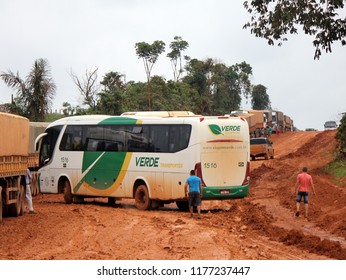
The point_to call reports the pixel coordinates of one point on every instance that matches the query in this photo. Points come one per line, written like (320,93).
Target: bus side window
(100,146)
(111,147)
(72,139)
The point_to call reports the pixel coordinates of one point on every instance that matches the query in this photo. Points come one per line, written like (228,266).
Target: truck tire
(14,209)
(142,198)
(22,210)
(0,205)
(68,197)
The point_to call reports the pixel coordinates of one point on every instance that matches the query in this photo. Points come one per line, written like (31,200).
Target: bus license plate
(224,192)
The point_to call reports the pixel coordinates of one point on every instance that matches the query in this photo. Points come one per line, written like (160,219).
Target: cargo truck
(288,123)
(17,154)
(269,117)
(278,122)
(255,118)
(14,143)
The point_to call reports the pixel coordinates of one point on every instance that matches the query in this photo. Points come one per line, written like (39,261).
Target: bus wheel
(142,198)
(68,197)
(111,201)
(182,205)
(78,199)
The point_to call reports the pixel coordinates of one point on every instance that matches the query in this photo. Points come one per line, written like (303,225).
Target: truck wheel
(14,209)
(0,205)
(142,198)
(68,197)
(22,210)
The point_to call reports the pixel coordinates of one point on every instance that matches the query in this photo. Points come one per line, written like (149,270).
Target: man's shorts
(194,199)
(303,194)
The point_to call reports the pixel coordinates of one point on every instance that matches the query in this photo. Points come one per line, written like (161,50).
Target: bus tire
(111,201)
(68,197)
(182,205)
(78,199)
(142,198)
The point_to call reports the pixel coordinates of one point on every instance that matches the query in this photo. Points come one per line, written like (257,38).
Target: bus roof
(159,113)
(132,119)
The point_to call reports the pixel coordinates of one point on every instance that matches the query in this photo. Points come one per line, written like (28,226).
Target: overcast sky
(80,35)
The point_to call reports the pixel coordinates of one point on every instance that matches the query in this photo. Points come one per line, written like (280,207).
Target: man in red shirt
(304,181)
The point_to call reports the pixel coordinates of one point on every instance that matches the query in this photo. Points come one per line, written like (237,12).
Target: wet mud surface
(261,226)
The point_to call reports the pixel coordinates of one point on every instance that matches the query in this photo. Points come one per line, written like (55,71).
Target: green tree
(149,53)
(218,88)
(274,19)
(68,109)
(135,97)
(260,98)
(225,89)
(198,73)
(35,94)
(177,46)
(341,136)
(178,96)
(111,96)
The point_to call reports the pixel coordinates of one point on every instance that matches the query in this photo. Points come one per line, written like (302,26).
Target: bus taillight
(198,172)
(247,175)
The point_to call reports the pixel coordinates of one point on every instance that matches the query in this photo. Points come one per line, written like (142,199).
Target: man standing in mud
(193,189)
(304,181)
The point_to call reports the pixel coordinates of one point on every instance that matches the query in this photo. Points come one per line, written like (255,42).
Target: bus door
(46,143)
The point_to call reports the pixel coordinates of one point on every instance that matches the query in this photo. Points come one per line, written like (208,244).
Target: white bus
(144,157)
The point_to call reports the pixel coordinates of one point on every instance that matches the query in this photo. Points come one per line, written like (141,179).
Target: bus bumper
(225,193)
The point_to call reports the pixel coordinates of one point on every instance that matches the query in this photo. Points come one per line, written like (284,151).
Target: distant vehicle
(261,147)
(329,125)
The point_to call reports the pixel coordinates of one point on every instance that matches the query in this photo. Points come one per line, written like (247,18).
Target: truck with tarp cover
(14,156)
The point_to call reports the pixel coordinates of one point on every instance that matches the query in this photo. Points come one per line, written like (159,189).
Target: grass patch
(338,169)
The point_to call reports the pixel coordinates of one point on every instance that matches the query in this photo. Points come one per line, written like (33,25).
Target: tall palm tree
(36,93)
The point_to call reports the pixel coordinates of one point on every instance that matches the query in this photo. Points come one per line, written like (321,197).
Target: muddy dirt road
(261,226)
